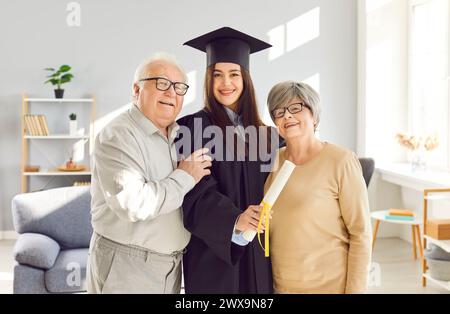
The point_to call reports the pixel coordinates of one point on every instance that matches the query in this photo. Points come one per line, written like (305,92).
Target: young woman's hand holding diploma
(249,219)
(270,198)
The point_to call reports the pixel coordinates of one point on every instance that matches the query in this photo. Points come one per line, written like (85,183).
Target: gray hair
(282,93)
(141,70)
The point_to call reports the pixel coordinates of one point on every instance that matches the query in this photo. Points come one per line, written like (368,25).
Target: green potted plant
(73,124)
(59,77)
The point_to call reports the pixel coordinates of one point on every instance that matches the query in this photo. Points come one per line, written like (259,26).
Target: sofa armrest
(36,250)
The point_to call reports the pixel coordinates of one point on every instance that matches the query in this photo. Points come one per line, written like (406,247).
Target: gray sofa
(52,248)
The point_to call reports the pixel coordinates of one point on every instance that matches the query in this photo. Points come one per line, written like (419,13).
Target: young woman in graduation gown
(219,208)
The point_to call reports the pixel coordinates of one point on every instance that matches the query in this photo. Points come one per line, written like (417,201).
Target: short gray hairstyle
(282,93)
(141,70)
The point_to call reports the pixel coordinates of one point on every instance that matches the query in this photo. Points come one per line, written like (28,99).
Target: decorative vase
(59,93)
(418,159)
(73,127)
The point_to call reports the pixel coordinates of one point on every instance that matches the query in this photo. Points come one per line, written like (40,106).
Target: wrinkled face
(227,83)
(161,107)
(300,124)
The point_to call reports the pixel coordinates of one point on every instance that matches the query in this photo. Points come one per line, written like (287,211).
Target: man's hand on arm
(197,164)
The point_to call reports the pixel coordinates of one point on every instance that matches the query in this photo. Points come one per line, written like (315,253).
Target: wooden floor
(393,258)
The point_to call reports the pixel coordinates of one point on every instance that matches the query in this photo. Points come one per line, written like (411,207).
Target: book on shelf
(36,125)
(44,125)
(29,126)
(400,212)
(403,218)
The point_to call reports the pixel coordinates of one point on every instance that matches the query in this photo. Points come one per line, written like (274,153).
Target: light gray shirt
(237,121)
(136,189)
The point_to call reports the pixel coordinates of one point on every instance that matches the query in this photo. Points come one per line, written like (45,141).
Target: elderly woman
(320,231)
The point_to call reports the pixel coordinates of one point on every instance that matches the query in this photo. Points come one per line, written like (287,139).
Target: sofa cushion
(29,280)
(69,272)
(36,250)
(63,214)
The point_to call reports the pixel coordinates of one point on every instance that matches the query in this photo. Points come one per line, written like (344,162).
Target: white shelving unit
(433,195)
(443,244)
(55,173)
(52,171)
(61,100)
(441,196)
(59,137)
(443,284)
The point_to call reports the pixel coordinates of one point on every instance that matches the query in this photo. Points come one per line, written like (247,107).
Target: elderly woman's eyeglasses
(293,109)
(164,84)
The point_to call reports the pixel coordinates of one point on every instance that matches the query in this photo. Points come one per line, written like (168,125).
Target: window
(428,75)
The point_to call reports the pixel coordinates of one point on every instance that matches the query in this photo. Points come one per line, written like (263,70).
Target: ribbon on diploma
(268,201)
(265,216)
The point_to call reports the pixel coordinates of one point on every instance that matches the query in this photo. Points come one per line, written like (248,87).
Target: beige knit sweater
(320,233)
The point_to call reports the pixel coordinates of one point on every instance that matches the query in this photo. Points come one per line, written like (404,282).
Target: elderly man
(137,188)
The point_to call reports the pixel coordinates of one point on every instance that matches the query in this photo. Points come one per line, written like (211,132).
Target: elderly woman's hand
(249,219)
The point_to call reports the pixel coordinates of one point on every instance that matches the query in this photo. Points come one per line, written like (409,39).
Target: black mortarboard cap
(228,45)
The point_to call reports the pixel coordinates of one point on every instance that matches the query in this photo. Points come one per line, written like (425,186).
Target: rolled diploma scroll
(274,191)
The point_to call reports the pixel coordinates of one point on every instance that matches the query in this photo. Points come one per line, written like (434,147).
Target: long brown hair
(247,106)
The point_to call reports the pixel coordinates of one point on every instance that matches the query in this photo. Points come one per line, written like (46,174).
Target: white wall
(116,35)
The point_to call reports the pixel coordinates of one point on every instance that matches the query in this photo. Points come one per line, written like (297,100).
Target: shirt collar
(148,126)
(234,117)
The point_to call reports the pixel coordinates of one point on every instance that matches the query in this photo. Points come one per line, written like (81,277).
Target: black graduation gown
(212,262)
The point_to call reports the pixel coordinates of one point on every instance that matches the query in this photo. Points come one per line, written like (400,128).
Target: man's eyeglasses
(293,109)
(164,84)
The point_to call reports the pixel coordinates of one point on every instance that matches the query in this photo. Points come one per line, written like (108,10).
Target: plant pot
(59,93)
(73,127)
